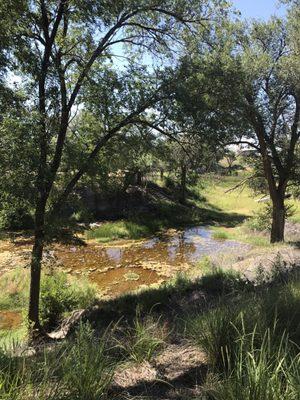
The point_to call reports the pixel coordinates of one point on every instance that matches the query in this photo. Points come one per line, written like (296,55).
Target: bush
(262,219)
(15,215)
(59,296)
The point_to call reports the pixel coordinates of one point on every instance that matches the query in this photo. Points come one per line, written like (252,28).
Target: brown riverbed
(123,266)
(10,320)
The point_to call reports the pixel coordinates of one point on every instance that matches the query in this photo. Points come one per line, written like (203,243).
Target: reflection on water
(108,264)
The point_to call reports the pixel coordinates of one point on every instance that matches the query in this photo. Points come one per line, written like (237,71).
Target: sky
(262,9)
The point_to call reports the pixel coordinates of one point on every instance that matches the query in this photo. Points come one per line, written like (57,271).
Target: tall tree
(59,45)
(255,97)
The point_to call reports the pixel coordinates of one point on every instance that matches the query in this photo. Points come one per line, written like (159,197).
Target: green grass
(220,235)
(165,215)
(252,343)
(80,369)
(60,294)
(249,334)
(141,341)
(118,230)
(14,287)
(216,190)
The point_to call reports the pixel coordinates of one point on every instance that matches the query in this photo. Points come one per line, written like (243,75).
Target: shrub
(15,216)
(262,219)
(59,296)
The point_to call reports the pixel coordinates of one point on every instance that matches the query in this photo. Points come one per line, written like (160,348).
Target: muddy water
(120,267)
(124,266)
(10,319)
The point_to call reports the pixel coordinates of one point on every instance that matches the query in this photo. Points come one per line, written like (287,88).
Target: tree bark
(36,261)
(278,219)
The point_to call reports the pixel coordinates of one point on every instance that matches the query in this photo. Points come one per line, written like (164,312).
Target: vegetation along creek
(149,200)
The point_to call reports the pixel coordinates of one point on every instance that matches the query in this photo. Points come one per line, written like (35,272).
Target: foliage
(59,296)
(262,218)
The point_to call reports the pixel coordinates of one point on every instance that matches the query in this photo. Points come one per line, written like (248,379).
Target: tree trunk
(278,220)
(139,178)
(183,184)
(36,261)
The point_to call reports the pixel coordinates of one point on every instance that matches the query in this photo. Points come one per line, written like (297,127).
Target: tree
(57,46)
(255,98)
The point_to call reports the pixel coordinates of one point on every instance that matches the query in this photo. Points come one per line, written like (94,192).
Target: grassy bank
(209,202)
(248,335)
(60,294)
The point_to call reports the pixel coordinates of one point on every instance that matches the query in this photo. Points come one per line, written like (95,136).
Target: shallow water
(153,260)
(124,266)
(10,319)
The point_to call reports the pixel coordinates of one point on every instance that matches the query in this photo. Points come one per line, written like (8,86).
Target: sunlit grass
(218,194)
(118,230)
(220,235)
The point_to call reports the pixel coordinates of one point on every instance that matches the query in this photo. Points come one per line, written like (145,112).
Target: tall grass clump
(142,340)
(80,369)
(118,230)
(265,372)
(252,343)
(86,367)
(11,377)
(220,235)
(217,333)
(13,289)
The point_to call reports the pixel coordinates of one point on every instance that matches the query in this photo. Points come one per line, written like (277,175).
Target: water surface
(120,267)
